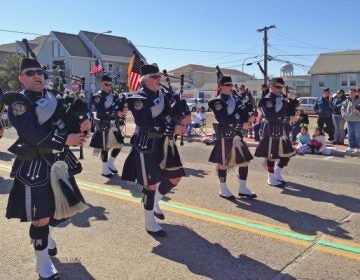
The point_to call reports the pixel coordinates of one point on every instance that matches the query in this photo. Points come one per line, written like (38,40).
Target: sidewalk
(339,152)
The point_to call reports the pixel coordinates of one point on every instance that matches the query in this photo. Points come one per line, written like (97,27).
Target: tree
(9,72)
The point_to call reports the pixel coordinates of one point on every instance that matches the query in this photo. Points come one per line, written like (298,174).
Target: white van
(307,104)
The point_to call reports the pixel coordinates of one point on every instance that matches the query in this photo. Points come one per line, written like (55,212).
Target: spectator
(303,139)
(302,119)
(350,111)
(337,119)
(198,120)
(323,110)
(318,143)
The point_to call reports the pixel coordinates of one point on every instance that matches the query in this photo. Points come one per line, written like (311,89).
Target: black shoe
(52,252)
(160,233)
(248,195)
(231,197)
(107,175)
(113,171)
(281,186)
(283,182)
(56,276)
(159,216)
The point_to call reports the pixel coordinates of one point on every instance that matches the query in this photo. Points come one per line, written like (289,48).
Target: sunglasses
(228,85)
(155,77)
(278,87)
(31,73)
(108,85)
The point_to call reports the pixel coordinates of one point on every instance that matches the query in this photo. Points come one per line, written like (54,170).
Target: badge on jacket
(218,106)
(138,105)
(18,109)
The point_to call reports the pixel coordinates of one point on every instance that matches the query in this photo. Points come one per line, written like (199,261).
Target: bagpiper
(110,108)
(230,150)
(154,161)
(275,144)
(44,190)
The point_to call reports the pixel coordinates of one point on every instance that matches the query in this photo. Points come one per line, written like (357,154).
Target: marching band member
(109,108)
(230,150)
(275,144)
(44,167)
(154,156)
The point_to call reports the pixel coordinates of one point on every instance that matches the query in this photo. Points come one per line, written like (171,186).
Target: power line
(191,50)
(27,33)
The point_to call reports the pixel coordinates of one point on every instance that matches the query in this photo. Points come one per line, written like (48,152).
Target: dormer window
(57,49)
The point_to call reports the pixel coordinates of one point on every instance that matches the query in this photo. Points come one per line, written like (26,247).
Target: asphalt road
(309,230)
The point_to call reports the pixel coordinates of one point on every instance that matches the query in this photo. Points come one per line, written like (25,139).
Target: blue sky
(224,31)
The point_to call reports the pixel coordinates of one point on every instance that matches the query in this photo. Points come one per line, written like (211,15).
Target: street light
(246,58)
(93,54)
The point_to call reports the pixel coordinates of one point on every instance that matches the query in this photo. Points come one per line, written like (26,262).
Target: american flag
(97,68)
(134,73)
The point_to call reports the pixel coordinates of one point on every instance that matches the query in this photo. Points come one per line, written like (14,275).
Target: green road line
(263,228)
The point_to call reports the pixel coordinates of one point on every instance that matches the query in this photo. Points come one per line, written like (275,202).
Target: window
(58,64)
(57,50)
(110,67)
(352,80)
(321,80)
(344,80)
(348,80)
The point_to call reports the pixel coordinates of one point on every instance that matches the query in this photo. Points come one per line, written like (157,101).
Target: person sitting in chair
(197,120)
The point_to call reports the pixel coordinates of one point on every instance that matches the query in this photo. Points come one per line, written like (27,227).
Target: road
(309,230)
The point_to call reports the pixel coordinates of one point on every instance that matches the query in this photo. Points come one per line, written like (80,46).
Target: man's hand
(85,125)
(123,113)
(180,129)
(186,120)
(76,139)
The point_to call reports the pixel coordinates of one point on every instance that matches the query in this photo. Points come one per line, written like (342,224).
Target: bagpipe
(180,112)
(290,104)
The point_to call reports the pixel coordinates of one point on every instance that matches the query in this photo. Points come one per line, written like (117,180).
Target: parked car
(196,103)
(307,104)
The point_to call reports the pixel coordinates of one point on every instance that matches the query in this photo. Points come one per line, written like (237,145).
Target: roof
(200,68)
(34,44)
(73,44)
(337,62)
(8,48)
(112,45)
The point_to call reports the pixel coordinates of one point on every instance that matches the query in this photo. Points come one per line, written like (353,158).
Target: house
(75,54)
(336,70)
(199,75)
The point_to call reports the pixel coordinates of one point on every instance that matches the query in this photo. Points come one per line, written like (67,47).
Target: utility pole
(265,29)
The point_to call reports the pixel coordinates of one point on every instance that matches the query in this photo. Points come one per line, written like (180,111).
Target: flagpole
(94,59)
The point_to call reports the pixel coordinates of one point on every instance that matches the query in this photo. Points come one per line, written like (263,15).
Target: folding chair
(199,129)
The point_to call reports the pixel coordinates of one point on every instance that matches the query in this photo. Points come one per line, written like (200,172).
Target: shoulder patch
(97,99)
(18,109)
(218,106)
(138,104)
(268,104)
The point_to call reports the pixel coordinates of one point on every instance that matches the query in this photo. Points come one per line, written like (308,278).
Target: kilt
(30,203)
(108,139)
(33,203)
(231,152)
(272,147)
(159,161)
